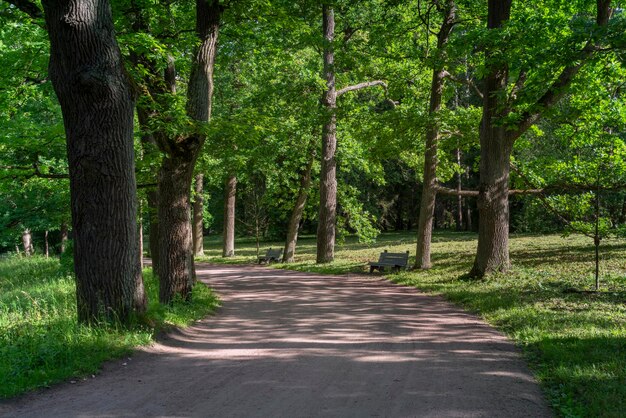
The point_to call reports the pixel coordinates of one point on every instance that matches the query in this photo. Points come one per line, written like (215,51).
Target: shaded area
(297,344)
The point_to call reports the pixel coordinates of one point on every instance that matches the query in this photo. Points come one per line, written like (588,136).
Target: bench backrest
(400,259)
(274,253)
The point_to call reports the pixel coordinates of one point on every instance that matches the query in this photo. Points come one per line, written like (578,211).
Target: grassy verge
(574,341)
(40,340)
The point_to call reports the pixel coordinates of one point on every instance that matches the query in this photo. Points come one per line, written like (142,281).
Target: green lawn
(574,341)
(40,340)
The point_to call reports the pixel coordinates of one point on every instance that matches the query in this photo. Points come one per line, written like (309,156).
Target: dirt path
(291,344)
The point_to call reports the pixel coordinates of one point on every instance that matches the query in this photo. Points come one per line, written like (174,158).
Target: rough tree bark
(230,196)
(89,80)
(296,214)
(328,173)
(198,224)
(496,141)
(429,191)
(176,270)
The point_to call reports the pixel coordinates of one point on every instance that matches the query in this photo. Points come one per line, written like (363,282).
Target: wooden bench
(395,261)
(271,255)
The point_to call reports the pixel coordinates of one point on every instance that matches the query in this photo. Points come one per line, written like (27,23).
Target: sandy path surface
(289,344)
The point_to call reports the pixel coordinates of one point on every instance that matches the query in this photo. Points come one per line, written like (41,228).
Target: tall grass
(41,341)
(573,338)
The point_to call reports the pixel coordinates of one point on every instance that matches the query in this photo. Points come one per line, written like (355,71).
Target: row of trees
(452,92)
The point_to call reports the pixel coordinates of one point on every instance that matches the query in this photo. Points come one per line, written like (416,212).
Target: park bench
(395,261)
(271,255)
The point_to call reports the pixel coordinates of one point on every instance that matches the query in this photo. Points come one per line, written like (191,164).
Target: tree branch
(558,87)
(362,86)
(27,6)
(465,81)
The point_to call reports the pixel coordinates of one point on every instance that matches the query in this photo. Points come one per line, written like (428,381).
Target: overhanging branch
(28,7)
(362,86)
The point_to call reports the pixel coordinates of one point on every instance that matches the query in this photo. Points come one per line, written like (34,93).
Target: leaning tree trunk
(328,173)
(88,77)
(64,237)
(429,191)
(198,224)
(296,214)
(176,268)
(230,196)
(495,152)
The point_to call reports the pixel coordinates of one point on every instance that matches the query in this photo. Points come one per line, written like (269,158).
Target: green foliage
(41,341)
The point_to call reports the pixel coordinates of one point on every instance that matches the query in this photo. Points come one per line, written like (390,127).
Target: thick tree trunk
(230,196)
(176,268)
(27,242)
(429,191)
(328,173)
(64,236)
(296,214)
(495,151)
(198,224)
(96,100)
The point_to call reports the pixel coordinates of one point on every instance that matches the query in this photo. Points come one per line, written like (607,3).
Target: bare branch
(362,86)
(465,81)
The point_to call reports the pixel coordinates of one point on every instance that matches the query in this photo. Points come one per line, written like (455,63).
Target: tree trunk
(328,174)
(176,268)
(88,77)
(140,237)
(198,224)
(495,151)
(140,302)
(64,236)
(153,228)
(46,244)
(459,199)
(429,191)
(230,195)
(27,242)
(296,214)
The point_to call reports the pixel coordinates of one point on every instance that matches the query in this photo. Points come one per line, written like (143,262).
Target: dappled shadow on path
(295,344)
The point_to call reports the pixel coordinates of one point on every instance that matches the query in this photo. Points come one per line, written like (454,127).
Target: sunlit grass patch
(40,340)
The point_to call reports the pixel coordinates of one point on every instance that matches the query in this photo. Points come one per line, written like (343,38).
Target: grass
(574,339)
(40,340)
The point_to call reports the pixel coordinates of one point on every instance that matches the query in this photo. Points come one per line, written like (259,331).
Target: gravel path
(288,344)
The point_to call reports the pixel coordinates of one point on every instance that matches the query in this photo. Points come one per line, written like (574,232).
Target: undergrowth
(41,341)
